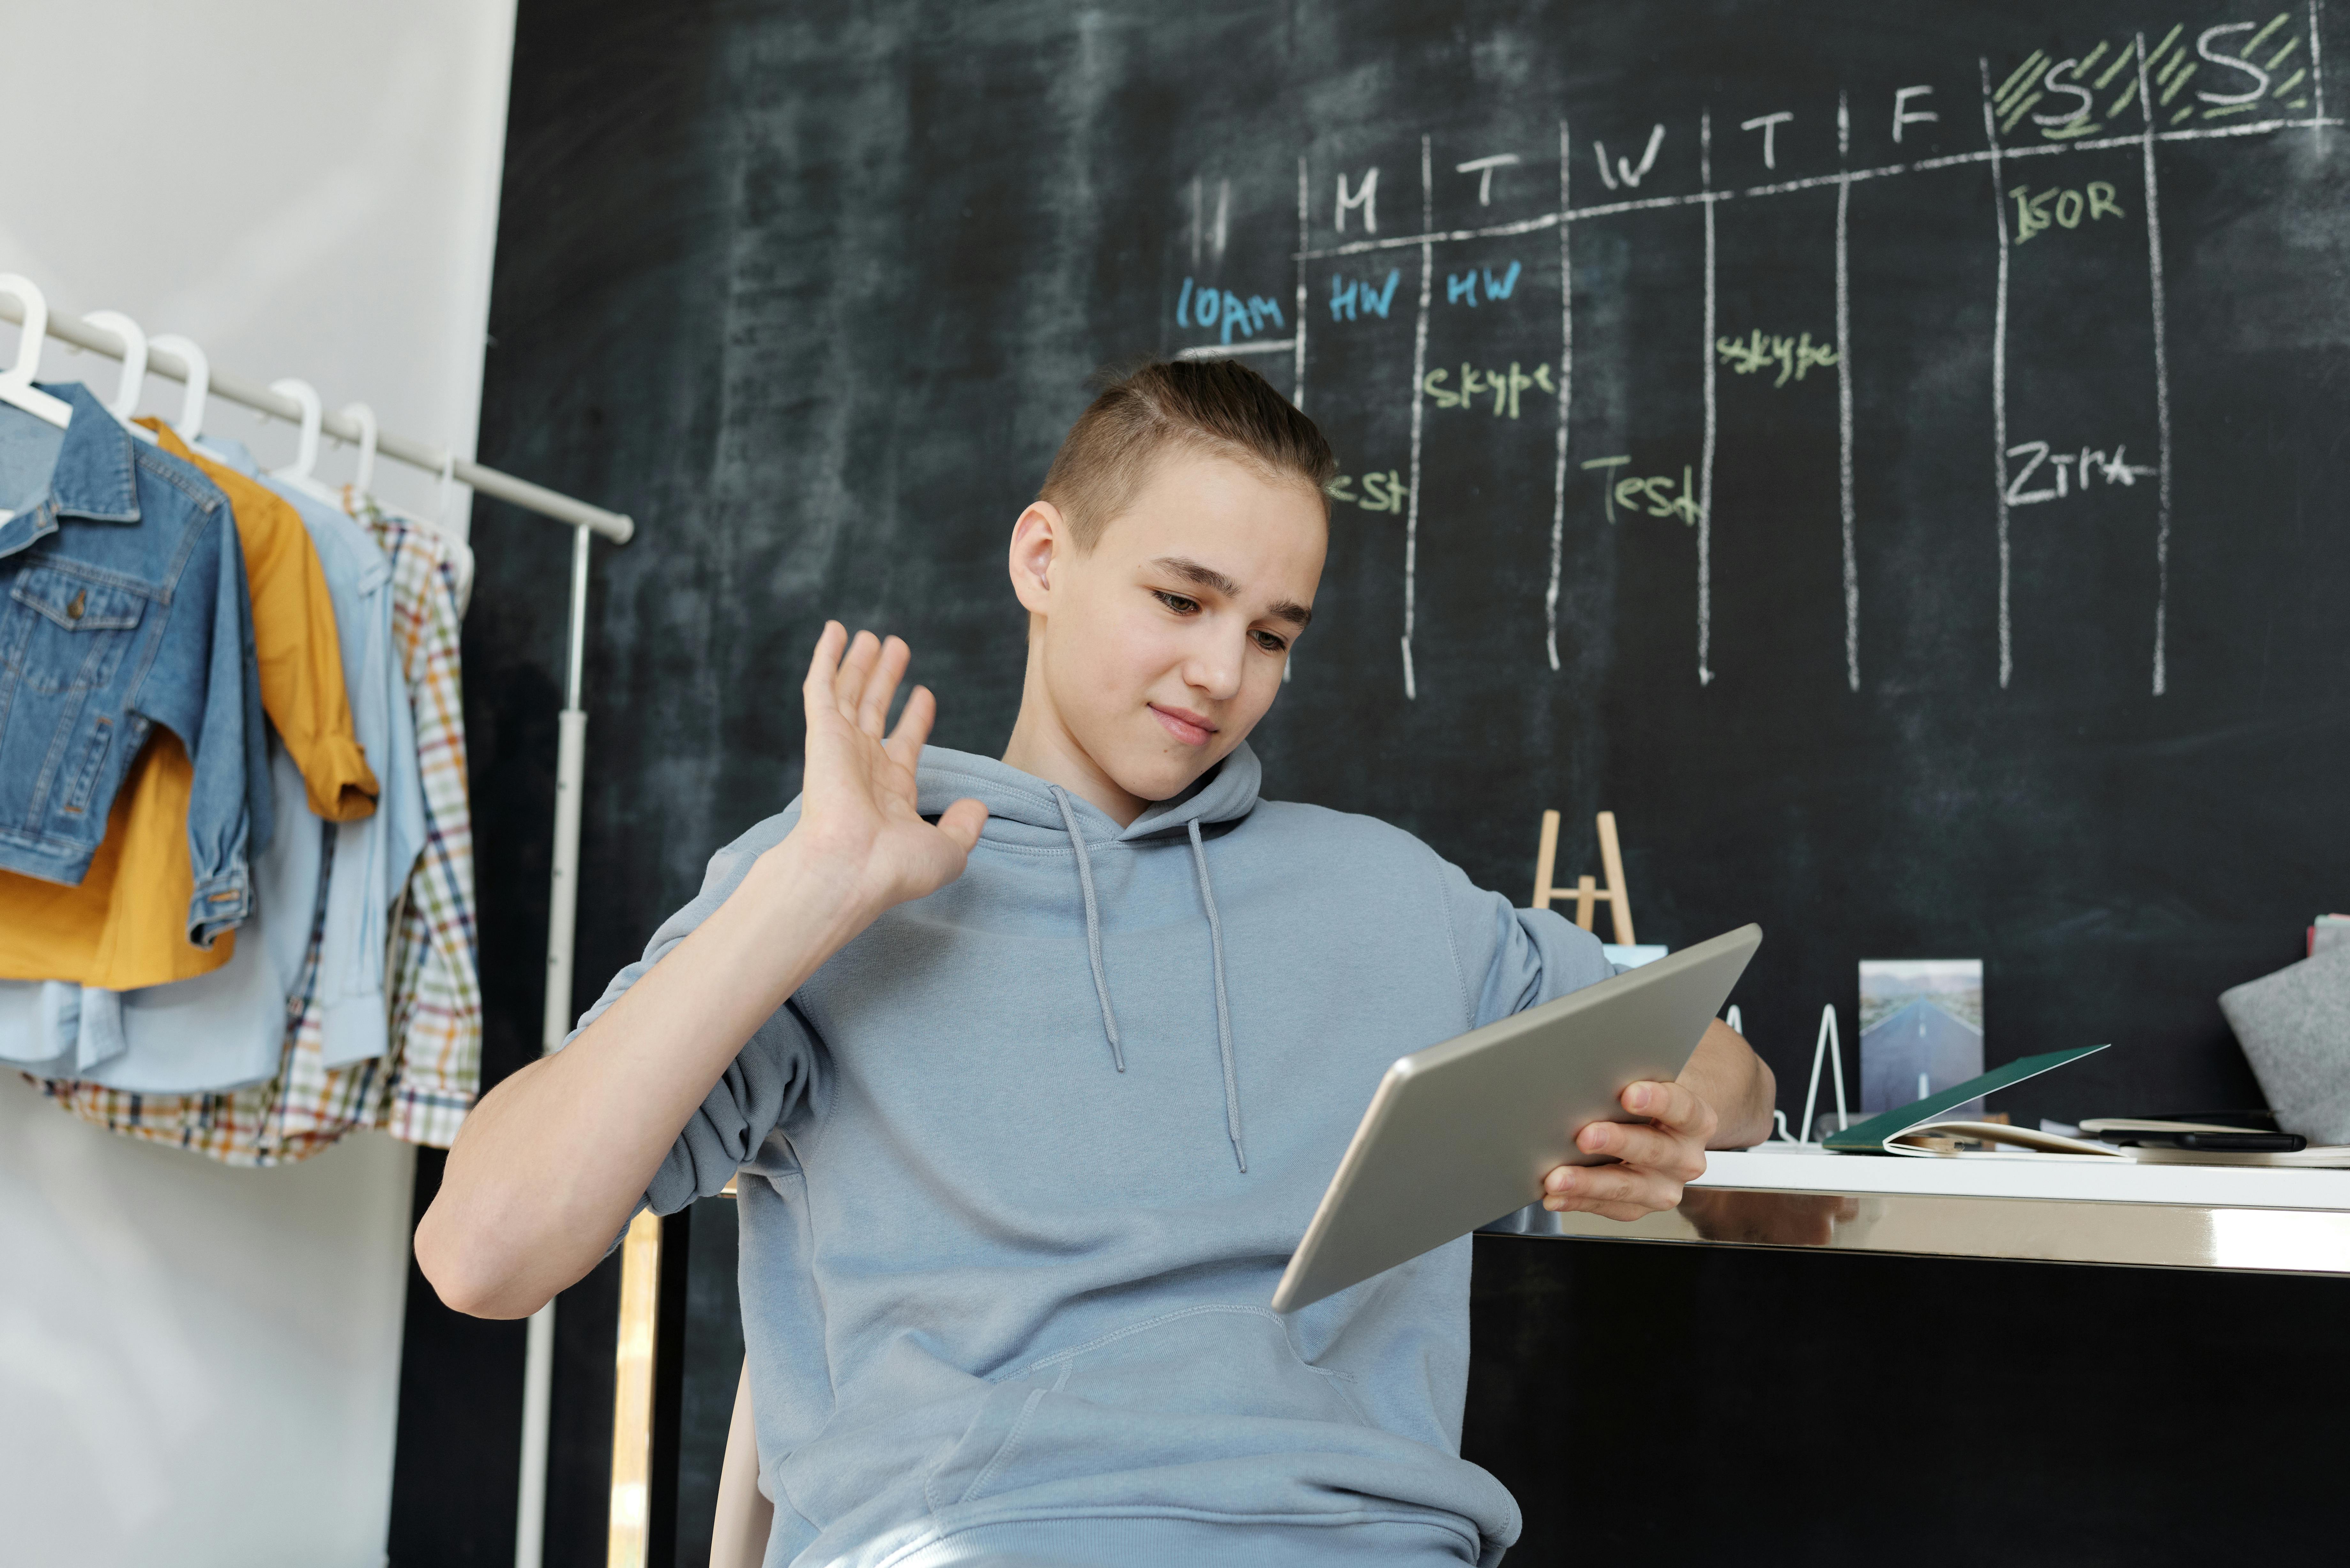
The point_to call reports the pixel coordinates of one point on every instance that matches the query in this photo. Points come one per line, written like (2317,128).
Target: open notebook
(1906,1130)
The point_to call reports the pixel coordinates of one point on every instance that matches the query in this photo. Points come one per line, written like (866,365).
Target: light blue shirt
(373,855)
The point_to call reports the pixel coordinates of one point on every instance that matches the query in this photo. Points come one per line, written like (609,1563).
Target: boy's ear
(1039,538)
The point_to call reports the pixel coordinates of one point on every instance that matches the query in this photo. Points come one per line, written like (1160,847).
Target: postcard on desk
(1929,1129)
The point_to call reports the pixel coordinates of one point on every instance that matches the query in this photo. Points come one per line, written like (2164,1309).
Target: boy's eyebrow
(1207,576)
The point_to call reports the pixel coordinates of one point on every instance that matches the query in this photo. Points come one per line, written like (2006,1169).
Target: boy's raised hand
(501,1237)
(858,818)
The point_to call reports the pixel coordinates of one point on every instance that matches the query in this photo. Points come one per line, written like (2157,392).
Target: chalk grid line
(1809,182)
(1846,515)
(2162,370)
(1419,412)
(1566,402)
(1999,380)
(1705,451)
(1993,155)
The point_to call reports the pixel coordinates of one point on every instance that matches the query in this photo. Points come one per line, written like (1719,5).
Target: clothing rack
(162,361)
(20,298)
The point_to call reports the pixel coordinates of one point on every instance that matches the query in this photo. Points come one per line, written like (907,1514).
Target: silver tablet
(1462,1134)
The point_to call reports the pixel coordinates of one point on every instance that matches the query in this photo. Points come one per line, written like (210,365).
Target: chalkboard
(1904,488)
(1855,443)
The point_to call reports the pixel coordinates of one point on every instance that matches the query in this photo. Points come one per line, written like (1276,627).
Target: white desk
(2051,1210)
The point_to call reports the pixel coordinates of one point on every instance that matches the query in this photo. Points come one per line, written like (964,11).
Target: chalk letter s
(2064,116)
(2206,46)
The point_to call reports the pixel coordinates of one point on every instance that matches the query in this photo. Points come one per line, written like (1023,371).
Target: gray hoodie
(1022,1163)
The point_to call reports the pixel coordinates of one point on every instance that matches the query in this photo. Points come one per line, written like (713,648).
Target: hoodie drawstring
(1224,1009)
(1215,943)
(1093,925)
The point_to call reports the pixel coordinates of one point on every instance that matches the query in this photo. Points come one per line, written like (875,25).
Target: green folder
(1871,1136)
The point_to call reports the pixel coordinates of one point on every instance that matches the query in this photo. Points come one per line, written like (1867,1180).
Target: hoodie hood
(1022,808)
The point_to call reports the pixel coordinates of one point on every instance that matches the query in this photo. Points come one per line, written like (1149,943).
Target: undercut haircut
(1219,408)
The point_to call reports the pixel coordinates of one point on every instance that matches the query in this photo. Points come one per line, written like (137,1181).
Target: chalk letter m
(1366,196)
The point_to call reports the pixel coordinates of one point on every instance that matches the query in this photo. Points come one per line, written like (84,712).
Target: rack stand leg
(562,916)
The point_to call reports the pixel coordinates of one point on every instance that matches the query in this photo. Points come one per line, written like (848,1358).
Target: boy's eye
(1178,602)
(1272,642)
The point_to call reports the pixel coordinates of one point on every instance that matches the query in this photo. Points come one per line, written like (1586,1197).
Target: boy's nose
(1215,668)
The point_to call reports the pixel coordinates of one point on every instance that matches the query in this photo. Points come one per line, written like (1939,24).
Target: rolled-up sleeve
(771,1078)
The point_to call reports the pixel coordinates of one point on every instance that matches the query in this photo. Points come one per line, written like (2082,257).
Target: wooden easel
(1587,890)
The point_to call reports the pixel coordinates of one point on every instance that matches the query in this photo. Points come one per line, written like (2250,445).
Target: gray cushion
(2295,1026)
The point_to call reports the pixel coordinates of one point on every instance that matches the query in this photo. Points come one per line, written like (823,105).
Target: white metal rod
(563,892)
(577,654)
(562,928)
(570,780)
(612,526)
(1825,1045)
(538,1400)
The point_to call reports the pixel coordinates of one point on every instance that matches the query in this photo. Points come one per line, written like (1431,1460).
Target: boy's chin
(1163,777)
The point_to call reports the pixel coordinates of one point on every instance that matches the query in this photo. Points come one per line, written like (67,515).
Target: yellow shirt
(125,925)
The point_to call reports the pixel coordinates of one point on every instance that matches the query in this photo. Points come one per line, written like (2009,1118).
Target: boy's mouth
(1191,729)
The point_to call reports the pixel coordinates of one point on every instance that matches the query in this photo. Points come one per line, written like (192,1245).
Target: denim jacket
(125,607)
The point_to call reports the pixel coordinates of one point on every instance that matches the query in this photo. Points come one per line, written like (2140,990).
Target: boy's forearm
(1726,1074)
(551,1162)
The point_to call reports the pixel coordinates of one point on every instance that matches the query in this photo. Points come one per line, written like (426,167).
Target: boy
(1035,1069)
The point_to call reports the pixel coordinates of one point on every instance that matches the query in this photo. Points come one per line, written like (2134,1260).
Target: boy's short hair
(1218,407)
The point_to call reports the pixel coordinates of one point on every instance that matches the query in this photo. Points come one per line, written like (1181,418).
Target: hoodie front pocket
(1191,1386)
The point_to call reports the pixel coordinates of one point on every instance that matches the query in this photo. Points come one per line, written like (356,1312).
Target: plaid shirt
(434,982)
(421,1091)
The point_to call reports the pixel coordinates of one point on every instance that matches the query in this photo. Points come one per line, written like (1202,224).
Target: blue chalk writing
(1462,287)
(1222,308)
(1346,294)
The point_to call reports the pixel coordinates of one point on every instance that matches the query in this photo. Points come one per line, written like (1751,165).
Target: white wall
(304,187)
(200,1365)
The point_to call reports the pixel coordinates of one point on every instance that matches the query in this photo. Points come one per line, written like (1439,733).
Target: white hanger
(363,480)
(125,401)
(305,456)
(190,422)
(16,381)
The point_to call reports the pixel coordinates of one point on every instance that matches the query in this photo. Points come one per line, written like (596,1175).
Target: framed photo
(1921,1030)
